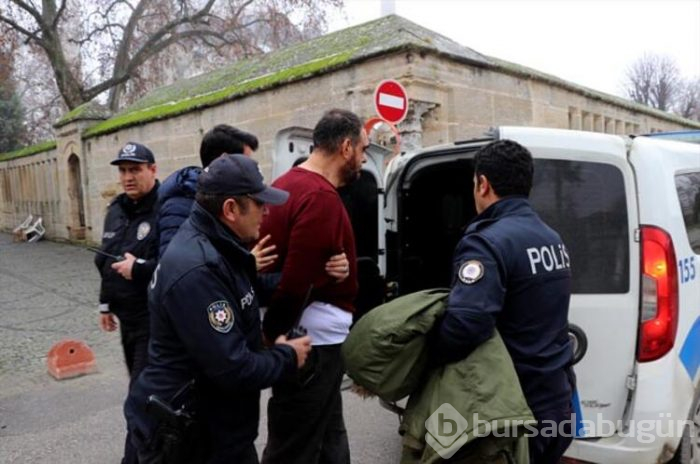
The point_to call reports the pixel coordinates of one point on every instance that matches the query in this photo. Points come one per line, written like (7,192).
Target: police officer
(205,325)
(512,272)
(129,232)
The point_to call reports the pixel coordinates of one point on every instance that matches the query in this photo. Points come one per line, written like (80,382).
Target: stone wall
(31,186)
(72,185)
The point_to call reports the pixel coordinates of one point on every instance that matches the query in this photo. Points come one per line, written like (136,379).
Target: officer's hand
(338,267)
(263,255)
(301,345)
(124,266)
(108,322)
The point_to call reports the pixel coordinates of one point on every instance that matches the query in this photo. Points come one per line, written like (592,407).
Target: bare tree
(688,99)
(12,129)
(36,88)
(102,45)
(653,80)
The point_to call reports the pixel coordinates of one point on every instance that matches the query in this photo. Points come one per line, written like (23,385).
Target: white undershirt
(325,323)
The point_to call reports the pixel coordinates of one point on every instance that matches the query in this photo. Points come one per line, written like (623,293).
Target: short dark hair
(212,203)
(508,167)
(335,126)
(224,139)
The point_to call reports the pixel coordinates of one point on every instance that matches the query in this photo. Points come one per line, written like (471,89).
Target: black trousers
(305,416)
(134,335)
(550,449)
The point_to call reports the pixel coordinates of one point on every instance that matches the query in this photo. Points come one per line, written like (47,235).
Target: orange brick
(70,358)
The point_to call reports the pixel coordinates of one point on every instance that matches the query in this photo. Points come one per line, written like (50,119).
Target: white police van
(628,210)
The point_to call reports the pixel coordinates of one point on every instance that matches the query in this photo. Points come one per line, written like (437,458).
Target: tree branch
(30,9)
(30,35)
(61,8)
(240,9)
(98,30)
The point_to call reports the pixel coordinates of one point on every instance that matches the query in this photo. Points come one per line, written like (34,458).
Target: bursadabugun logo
(446,429)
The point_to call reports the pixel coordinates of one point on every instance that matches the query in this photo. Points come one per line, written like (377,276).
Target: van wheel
(688,451)
(579,342)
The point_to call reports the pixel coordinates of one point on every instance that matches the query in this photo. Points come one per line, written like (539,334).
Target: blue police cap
(134,153)
(238,175)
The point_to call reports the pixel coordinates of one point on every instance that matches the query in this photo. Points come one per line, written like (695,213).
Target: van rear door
(584,188)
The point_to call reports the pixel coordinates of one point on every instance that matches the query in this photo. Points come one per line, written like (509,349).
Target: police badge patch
(128,150)
(471,271)
(143,230)
(220,316)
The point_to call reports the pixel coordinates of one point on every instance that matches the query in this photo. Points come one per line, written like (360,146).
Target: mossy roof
(27,151)
(90,111)
(322,54)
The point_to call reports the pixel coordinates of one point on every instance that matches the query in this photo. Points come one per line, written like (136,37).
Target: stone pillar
(586,121)
(609,125)
(598,123)
(574,118)
(411,128)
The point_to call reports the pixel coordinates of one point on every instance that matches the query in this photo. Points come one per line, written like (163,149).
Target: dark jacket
(175,199)
(130,226)
(205,323)
(512,272)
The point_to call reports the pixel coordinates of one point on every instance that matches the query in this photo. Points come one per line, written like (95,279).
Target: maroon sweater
(308,229)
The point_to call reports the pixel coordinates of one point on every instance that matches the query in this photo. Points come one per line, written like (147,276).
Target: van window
(688,187)
(586,203)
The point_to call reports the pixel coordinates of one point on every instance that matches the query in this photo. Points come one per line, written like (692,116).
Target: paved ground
(48,293)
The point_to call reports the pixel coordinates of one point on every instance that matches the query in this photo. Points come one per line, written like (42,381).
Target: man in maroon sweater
(305,416)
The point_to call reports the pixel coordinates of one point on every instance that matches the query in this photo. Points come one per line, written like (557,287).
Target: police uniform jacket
(129,226)
(205,324)
(512,271)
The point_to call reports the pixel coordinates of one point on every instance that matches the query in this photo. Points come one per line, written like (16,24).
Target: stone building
(454,92)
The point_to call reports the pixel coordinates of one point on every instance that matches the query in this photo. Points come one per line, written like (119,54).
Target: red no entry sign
(391,101)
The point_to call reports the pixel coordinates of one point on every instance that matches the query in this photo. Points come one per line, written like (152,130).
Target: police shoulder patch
(471,271)
(143,230)
(220,316)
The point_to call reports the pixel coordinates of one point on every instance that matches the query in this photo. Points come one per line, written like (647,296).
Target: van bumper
(621,450)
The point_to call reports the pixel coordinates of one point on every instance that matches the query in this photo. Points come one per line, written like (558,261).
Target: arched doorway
(75,193)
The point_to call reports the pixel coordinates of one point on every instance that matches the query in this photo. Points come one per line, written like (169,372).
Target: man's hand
(302,347)
(338,267)
(108,322)
(361,391)
(124,266)
(263,256)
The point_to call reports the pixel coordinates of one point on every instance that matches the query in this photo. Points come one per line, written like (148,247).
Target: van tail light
(659,305)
